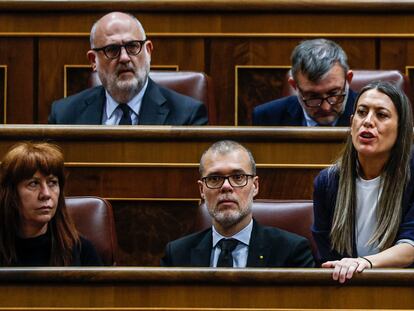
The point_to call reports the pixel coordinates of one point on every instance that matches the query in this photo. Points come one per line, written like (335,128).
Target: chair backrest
(363,77)
(191,83)
(291,215)
(194,84)
(94,220)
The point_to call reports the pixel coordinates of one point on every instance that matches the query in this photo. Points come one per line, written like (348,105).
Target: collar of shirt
(311,122)
(241,236)
(112,115)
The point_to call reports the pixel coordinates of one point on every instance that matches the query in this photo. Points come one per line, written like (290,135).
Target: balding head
(112,23)
(225,147)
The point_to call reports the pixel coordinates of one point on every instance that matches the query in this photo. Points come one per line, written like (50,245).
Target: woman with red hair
(35,228)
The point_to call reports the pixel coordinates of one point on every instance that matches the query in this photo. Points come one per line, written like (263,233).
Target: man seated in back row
(321,78)
(228,185)
(121,54)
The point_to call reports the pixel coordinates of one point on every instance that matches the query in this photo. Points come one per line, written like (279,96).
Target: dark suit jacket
(269,247)
(287,111)
(160,106)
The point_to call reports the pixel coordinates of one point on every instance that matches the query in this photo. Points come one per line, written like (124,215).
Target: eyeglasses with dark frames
(113,51)
(332,100)
(235,180)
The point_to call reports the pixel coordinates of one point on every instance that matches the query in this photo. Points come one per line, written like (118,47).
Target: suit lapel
(345,118)
(295,112)
(259,248)
(153,109)
(200,255)
(91,112)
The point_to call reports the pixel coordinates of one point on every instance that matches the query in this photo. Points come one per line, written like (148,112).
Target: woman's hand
(345,268)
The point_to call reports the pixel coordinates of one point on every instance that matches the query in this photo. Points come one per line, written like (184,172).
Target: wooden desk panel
(155,162)
(181,182)
(169,144)
(202,289)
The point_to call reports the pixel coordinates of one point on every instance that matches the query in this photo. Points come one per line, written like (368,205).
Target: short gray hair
(94,26)
(225,147)
(314,58)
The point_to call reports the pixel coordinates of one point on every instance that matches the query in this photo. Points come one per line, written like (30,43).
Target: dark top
(36,252)
(287,111)
(268,247)
(324,198)
(160,106)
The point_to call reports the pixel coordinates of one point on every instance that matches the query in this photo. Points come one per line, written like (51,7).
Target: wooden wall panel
(318,22)
(145,227)
(186,53)
(286,184)
(47,21)
(228,53)
(216,21)
(256,85)
(165,146)
(18,55)
(54,53)
(3,94)
(362,53)
(397,54)
(155,162)
(181,182)
(131,182)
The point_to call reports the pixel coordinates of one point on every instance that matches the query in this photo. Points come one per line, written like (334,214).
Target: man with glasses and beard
(321,78)
(228,185)
(121,55)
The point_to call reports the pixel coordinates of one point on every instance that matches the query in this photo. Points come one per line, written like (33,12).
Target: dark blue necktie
(227,246)
(126,116)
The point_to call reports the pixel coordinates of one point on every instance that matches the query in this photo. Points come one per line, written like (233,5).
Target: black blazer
(160,106)
(287,111)
(269,247)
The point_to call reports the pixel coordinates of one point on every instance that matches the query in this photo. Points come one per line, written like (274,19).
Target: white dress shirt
(111,115)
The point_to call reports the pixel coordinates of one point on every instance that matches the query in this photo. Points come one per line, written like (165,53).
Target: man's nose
(123,55)
(325,105)
(226,185)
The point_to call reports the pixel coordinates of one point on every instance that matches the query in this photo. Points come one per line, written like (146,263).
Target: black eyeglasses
(113,51)
(331,99)
(236,180)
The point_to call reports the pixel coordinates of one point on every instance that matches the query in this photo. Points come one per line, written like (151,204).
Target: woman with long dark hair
(363,215)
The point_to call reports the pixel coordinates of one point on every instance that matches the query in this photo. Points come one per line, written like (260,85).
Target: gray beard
(124,90)
(227,220)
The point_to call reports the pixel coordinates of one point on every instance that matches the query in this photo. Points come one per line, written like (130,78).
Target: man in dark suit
(321,78)
(121,55)
(228,185)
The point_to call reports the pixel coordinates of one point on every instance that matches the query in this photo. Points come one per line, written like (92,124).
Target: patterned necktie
(126,116)
(227,246)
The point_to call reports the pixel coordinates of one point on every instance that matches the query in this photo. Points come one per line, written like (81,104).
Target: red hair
(21,162)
